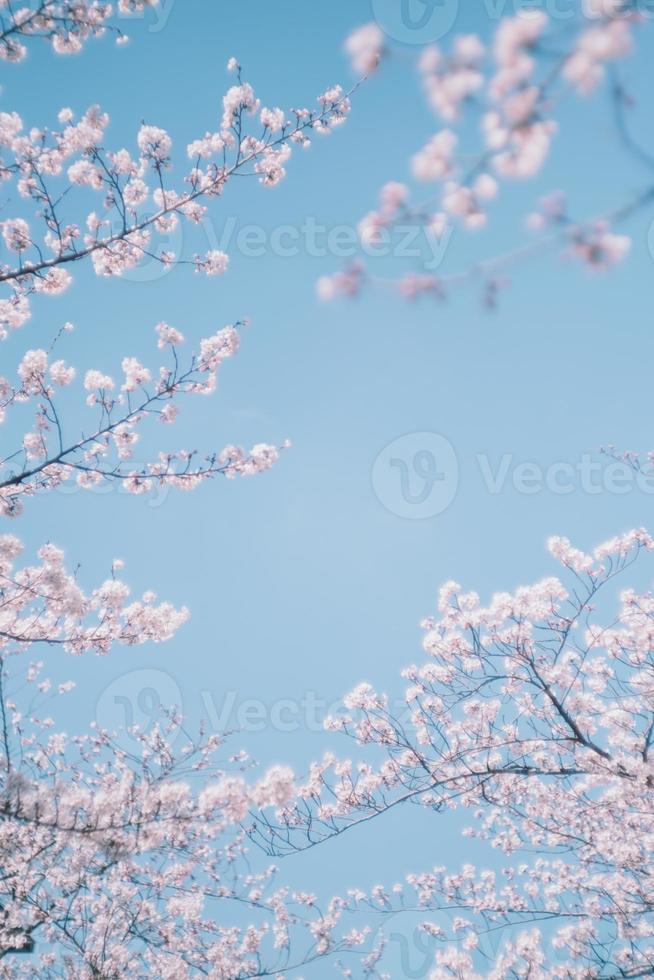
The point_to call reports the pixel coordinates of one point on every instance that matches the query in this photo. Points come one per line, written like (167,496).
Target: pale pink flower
(273,119)
(16,234)
(155,143)
(365,46)
(214,263)
(168,335)
(61,374)
(434,161)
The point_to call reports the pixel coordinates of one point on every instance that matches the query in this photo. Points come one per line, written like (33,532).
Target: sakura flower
(370,227)
(31,370)
(365,46)
(135,193)
(214,350)
(61,374)
(239,98)
(34,446)
(435,161)
(169,413)
(168,335)
(345,283)
(276,788)
(214,263)
(135,374)
(273,119)
(16,234)
(598,45)
(464,202)
(155,144)
(85,174)
(392,196)
(449,82)
(96,381)
(601,248)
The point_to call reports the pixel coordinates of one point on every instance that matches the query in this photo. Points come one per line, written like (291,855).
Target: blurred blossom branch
(514,89)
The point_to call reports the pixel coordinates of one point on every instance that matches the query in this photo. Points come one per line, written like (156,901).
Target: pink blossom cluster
(451,81)
(599,45)
(135,200)
(509,90)
(599,247)
(347,282)
(64,24)
(365,48)
(44,604)
(106,453)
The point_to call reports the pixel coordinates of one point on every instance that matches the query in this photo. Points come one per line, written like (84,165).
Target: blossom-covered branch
(48,458)
(64,24)
(123,864)
(136,201)
(118,863)
(45,604)
(536,715)
(514,90)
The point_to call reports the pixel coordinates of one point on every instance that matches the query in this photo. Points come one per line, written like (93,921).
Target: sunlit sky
(303,582)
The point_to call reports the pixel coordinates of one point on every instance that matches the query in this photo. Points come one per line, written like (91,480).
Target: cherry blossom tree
(116,863)
(510,92)
(120,864)
(50,455)
(535,715)
(532,714)
(64,24)
(44,169)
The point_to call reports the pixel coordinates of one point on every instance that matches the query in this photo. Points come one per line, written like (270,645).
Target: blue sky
(302,583)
